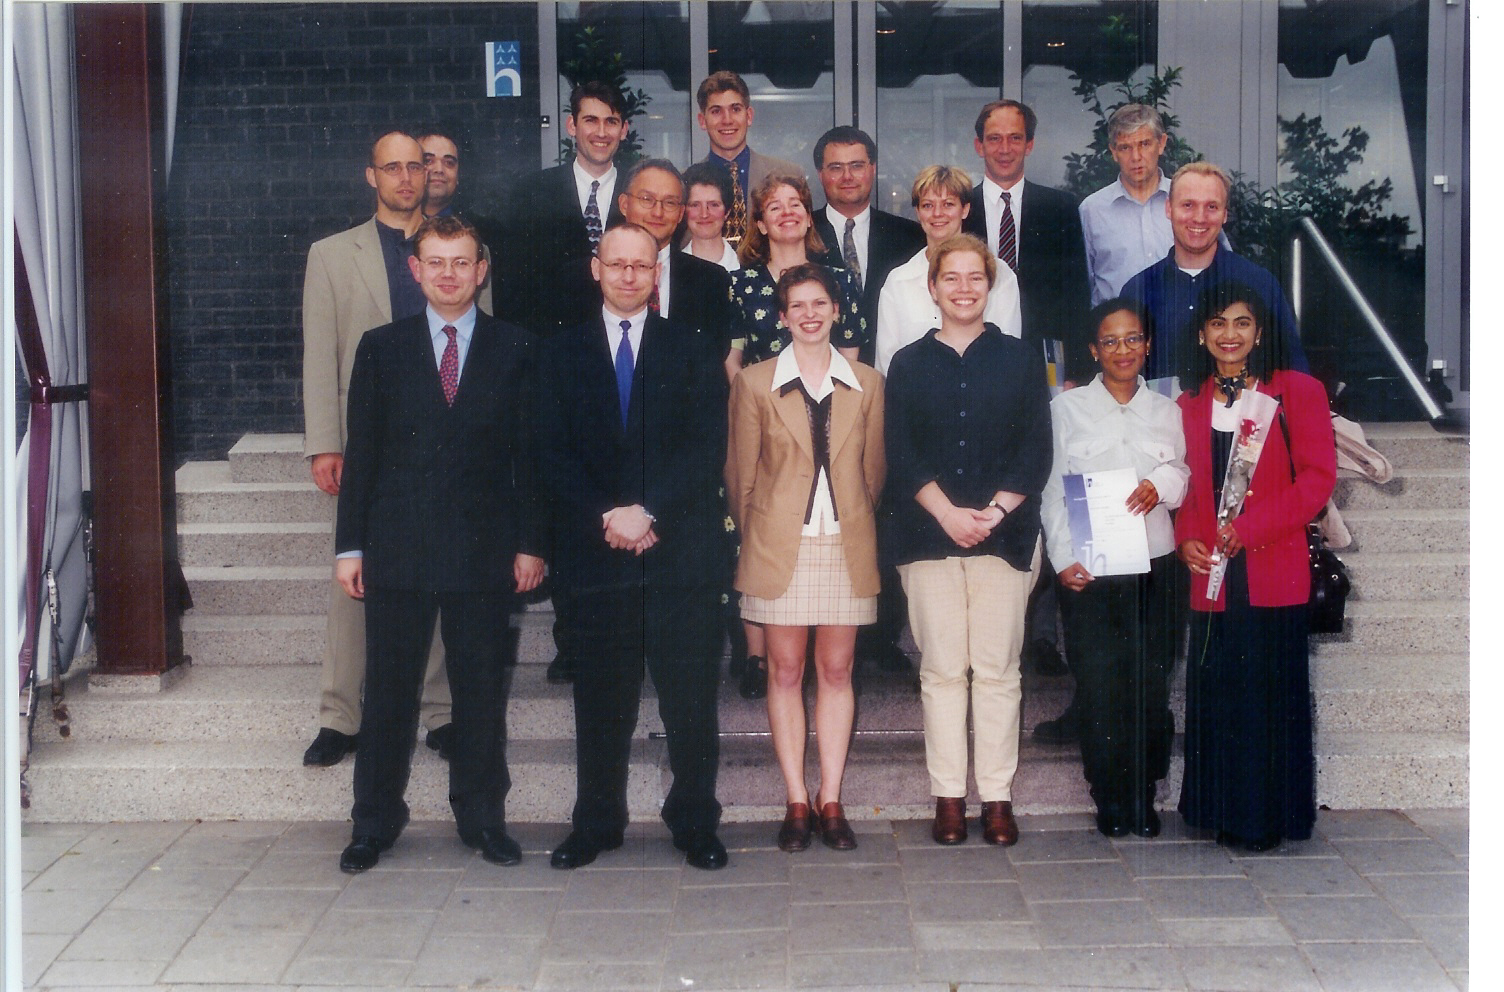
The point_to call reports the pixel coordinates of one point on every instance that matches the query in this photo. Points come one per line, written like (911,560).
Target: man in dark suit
(867,242)
(437,499)
(690,290)
(556,218)
(1041,239)
(631,440)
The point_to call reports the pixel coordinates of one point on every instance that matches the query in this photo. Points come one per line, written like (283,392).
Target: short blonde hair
(945,178)
(958,243)
(1203,169)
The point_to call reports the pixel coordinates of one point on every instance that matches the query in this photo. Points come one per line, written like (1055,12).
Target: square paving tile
(623,890)
(234,844)
(1447,938)
(1305,877)
(64,911)
(615,937)
(1387,857)
(1062,845)
(1202,898)
(1057,967)
(397,890)
(314,837)
(284,910)
(852,883)
(128,935)
(619,976)
(354,973)
(178,888)
(140,837)
(388,936)
(757,867)
(120,974)
(871,926)
(532,873)
(974,936)
(746,907)
(235,957)
(871,849)
(967,902)
(1178,860)
(280,869)
(887,969)
(1247,969)
(1424,895)
(38,951)
(477,961)
(1336,823)
(1092,924)
(1340,918)
(39,850)
(751,959)
(503,912)
(1050,882)
(106,869)
(967,863)
(1251,931)
(1354,967)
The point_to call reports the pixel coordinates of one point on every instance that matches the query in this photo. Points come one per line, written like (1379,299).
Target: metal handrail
(1433,410)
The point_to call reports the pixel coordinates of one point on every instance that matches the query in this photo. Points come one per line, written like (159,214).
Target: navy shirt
(1171,296)
(974,424)
(406,295)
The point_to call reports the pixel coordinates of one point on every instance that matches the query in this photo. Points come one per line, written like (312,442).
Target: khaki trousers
(967,614)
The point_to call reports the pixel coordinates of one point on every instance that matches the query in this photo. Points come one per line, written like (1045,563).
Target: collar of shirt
(392,235)
(1103,402)
(743,166)
(1122,192)
(603,201)
(787,370)
(464,327)
(861,233)
(663,266)
(634,333)
(993,193)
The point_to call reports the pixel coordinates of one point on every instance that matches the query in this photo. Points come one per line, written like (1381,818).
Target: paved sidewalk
(1377,901)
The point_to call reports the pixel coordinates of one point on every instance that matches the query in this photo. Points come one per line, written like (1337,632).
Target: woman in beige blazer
(804,466)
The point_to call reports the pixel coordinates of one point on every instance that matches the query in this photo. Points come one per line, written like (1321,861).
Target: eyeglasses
(842,168)
(629,268)
(649,202)
(437,266)
(1130,343)
(395,169)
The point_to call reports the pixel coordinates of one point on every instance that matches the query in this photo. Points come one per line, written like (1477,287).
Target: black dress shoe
(560,670)
(362,854)
(754,684)
(1110,822)
(578,850)
(441,739)
(702,849)
(329,748)
(1261,844)
(1064,729)
(1146,822)
(495,845)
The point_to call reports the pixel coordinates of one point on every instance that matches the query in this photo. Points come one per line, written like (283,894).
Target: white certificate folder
(1106,537)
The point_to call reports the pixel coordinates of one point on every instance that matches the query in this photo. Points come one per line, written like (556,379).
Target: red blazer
(1272,523)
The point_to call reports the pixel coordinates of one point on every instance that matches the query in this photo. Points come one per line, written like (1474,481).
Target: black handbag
(1329,580)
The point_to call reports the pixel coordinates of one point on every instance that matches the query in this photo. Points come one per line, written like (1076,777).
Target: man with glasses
(690,290)
(357,280)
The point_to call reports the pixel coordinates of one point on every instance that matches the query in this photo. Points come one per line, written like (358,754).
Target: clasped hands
(1143,499)
(1199,558)
(629,528)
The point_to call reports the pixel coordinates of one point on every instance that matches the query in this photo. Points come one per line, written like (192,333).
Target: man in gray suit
(356,280)
(725,115)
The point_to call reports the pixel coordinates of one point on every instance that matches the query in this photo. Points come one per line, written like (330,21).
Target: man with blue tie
(437,522)
(631,437)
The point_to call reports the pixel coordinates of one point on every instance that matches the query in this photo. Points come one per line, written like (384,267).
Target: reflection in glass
(785,52)
(937,64)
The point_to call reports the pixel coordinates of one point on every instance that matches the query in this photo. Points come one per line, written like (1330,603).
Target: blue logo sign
(503,68)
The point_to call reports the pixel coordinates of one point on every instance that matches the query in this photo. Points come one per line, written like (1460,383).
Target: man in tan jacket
(357,280)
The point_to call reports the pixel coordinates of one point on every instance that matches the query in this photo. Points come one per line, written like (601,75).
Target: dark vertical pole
(137,579)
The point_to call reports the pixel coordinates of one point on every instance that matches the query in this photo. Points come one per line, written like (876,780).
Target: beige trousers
(967,614)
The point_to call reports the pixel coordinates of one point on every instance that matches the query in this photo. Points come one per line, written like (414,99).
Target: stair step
(1418,575)
(1418,693)
(207,494)
(269,458)
(226,639)
(1418,445)
(1420,488)
(1403,627)
(260,589)
(281,543)
(1392,770)
(1408,529)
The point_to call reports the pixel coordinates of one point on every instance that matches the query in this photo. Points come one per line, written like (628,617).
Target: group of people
(695,381)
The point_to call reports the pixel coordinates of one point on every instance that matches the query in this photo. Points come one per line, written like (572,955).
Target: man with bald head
(357,280)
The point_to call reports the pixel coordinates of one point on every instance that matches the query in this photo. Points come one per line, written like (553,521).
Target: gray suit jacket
(345,294)
(759,167)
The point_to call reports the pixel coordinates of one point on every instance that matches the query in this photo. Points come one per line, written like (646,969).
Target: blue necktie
(624,371)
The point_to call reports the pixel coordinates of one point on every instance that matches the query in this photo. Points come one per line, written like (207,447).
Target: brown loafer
(795,833)
(950,820)
(835,832)
(998,825)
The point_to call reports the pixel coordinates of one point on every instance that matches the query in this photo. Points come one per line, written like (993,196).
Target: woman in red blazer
(1249,769)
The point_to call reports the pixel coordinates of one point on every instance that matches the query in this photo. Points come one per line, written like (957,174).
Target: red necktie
(449,365)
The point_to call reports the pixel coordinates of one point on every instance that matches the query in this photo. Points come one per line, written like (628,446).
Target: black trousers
(1120,635)
(675,633)
(399,628)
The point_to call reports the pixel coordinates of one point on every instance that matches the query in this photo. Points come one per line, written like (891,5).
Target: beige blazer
(759,167)
(345,294)
(770,466)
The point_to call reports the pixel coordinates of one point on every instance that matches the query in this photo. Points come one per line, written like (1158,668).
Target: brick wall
(278,108)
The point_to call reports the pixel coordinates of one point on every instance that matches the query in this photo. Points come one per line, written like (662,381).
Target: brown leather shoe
(950,820)
(835,832)
(998,825)
(795,833)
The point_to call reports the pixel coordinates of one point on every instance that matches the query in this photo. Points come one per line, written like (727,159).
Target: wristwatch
(994,504)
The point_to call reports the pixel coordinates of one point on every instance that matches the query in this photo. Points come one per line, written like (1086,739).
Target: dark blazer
(439,498)
(667,458)
(700,299)
(1054,292)
(542,277)
(891,241)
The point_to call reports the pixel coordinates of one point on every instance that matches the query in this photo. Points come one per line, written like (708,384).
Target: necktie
(736,220)
(624,371)
(449,365)
(593,215)
(848,252)
(654,303)
(1007,237)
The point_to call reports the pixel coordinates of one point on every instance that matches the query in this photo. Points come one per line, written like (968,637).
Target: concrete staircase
(224,740)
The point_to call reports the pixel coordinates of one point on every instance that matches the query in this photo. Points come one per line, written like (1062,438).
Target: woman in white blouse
(905,309)
(709,191)
(1120,629)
